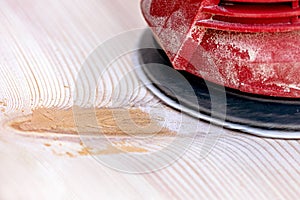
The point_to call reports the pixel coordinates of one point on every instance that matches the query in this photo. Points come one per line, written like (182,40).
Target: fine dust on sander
(257,115)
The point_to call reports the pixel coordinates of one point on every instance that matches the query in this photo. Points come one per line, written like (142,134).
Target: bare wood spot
(119,121)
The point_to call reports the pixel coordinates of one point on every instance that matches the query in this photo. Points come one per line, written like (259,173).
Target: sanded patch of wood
(129,122)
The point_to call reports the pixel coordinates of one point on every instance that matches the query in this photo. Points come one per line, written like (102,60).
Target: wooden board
(44,47)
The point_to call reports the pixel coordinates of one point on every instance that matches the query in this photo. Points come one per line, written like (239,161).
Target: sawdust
(3,102)
(70,155)
(129,122)
(85,151)
(111,149)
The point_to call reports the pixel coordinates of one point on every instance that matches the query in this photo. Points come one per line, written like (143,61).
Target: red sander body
(249,45)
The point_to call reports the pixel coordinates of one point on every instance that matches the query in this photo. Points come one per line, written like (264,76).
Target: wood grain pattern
(43,46)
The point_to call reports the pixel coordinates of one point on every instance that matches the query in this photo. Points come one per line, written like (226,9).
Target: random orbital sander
(250,48)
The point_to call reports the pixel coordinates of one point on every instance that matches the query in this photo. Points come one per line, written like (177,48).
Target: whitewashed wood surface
(43,44)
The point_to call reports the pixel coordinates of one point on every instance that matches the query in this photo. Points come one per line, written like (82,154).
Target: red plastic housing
(249,45)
